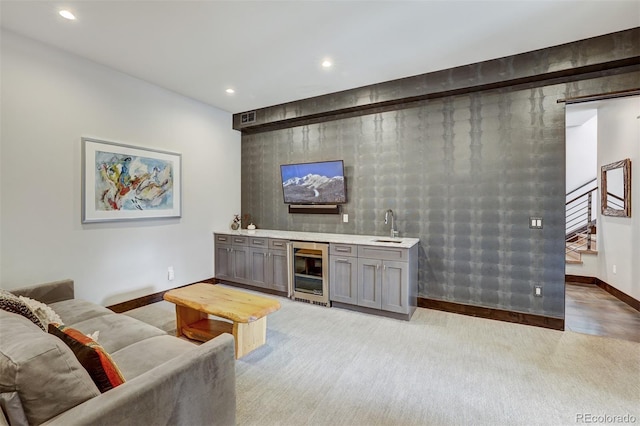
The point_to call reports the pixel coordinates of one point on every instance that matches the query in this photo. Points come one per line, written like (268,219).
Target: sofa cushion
(92,356)
(41,368)
(76,310)
(140,357)
(12,303)
(48,293)
(118,331)
(12,410)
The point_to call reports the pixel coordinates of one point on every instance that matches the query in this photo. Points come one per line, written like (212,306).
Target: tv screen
(314,183)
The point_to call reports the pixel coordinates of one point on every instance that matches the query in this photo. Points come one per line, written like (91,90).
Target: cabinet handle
(237,240)
(378,266)
(278,244)
(342,261)
(343,250)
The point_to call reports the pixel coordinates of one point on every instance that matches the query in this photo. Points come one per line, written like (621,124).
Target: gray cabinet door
(279,277)
(343,279)
(223,261)
(240,263)
(258,267)
(395,286)
(369,283)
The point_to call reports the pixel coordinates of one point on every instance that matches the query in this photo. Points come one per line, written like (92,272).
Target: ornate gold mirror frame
(615,190)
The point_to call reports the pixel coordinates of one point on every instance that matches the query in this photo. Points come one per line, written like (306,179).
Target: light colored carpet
(324,366)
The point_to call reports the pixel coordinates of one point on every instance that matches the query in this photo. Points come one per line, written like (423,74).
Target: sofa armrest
(197,388)
(51,292)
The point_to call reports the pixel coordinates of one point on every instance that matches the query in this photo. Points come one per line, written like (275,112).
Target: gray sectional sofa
(169,381)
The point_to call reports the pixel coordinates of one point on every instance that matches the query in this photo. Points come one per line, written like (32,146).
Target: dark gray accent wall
(463,173)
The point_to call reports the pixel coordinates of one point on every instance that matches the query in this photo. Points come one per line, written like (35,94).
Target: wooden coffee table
(247,312)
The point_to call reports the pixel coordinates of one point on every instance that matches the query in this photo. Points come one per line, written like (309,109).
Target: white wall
(619,238)
(50,99)
(581,147)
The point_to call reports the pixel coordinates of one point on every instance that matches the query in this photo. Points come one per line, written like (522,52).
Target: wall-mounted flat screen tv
(314,183)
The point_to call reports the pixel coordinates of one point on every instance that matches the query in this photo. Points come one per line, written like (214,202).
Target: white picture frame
(126,182)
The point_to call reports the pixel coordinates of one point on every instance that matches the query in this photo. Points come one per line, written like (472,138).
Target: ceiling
(270,51)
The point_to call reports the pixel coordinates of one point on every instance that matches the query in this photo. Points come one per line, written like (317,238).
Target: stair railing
(579,213)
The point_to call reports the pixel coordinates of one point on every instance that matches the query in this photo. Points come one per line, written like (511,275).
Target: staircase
(578,244)
(580,226)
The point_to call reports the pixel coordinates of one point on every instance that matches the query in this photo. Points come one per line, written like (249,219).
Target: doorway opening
(603,281)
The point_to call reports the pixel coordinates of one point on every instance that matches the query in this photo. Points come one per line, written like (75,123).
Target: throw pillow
(44,313)
(103,371)
(11,303)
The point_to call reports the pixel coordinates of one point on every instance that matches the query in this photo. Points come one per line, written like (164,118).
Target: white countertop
(370,240)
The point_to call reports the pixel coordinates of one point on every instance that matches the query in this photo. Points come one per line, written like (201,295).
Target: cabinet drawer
(275,244)
(222,239)
(384,253)
(239,240)
(258,242)
(350,250)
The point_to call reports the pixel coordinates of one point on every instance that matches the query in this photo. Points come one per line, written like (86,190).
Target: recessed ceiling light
(326,63)
(230,91)
(67,15)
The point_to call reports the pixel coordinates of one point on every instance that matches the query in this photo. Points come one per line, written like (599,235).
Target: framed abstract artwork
(124,182)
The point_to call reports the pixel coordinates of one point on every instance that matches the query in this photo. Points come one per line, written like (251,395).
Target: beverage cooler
(309,272)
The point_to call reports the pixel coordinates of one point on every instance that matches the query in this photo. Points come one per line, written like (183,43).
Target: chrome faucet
(393,232)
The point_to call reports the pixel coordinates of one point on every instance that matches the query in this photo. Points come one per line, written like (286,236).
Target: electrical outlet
(170,273)
(345,218)
(615,269)
(537,290)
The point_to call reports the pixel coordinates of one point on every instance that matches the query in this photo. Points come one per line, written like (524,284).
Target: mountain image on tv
(313,183)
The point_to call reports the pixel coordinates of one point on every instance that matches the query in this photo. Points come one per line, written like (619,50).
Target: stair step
(580,246)
(573,255)
(586,237)
(583,242)
(585,251)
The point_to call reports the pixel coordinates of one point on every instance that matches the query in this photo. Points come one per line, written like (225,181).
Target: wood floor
(591,310)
